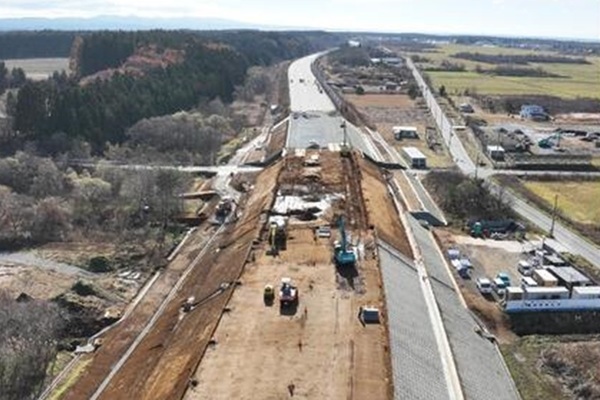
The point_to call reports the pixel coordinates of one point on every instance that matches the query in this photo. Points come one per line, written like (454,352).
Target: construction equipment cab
(343,255)
(288,294)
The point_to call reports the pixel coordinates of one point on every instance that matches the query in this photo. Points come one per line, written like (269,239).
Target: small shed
(554,260)
(405,132)
(514,293)
(496,152)
(545,278)
(586,292)
(369,315)
(415,158)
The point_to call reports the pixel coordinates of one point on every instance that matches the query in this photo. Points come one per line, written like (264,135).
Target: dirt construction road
(322,351)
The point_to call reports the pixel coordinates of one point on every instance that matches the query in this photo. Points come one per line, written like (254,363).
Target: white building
(415,158)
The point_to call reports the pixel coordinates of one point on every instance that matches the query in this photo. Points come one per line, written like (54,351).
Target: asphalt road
(315,119)
(574,243)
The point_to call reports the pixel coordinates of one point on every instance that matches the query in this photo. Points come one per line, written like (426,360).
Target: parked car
(525,268)
(484,285)
(499,286)
(504,277)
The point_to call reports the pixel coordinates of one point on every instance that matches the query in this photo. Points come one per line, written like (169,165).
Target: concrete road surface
(305,92)
(314,117)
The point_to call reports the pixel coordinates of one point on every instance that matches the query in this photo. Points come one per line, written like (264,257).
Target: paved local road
(570,240)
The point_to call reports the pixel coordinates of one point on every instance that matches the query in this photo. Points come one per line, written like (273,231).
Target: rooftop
(569,274)
(495,148)
(413,152)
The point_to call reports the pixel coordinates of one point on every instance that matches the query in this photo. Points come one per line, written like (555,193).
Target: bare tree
(28,337)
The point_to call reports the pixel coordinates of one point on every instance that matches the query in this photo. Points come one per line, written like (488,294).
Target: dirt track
(160,366)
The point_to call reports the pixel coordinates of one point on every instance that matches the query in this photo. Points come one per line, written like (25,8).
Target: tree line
(520,59)
(101,111)
(41,201)
(43,44)
(11,79)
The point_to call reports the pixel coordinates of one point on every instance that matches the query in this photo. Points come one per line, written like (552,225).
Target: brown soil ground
(278,138)
(382,213)
(380,100)
(36,282)
(389,110)
(120,338)
(161,365)
(319,351)
(331,177)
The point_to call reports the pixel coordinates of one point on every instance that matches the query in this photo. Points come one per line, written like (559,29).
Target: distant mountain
(128,23)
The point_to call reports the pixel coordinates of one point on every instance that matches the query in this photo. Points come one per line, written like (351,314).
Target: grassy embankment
(580,80)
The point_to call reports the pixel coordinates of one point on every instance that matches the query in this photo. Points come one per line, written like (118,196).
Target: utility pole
(553,216)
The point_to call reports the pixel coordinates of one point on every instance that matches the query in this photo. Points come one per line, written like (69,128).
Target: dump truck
(288,294)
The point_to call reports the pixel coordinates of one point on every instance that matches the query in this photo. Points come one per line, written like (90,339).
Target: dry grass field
(39,69)
(580,200)
(580,80)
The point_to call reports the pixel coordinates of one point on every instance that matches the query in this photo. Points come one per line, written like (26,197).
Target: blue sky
(547,18)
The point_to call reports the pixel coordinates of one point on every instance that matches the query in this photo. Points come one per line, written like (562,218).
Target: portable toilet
(369,315)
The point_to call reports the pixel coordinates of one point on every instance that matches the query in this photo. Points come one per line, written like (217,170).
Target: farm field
(39,68)
(581,80)
(577,199)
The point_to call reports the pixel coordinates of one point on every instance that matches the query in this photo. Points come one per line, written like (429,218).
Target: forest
(100,111)
(45,44)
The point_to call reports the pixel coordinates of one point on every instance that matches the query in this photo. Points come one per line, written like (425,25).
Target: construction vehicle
(277,234)
(269,294)
(343,256)
(288,294)
(550,141)
(223,210)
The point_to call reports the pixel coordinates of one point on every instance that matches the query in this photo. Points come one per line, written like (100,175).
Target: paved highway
(570,240)
(314,117)
(305,93)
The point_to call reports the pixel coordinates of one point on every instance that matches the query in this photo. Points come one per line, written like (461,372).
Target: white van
(527,281)
(525,268)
